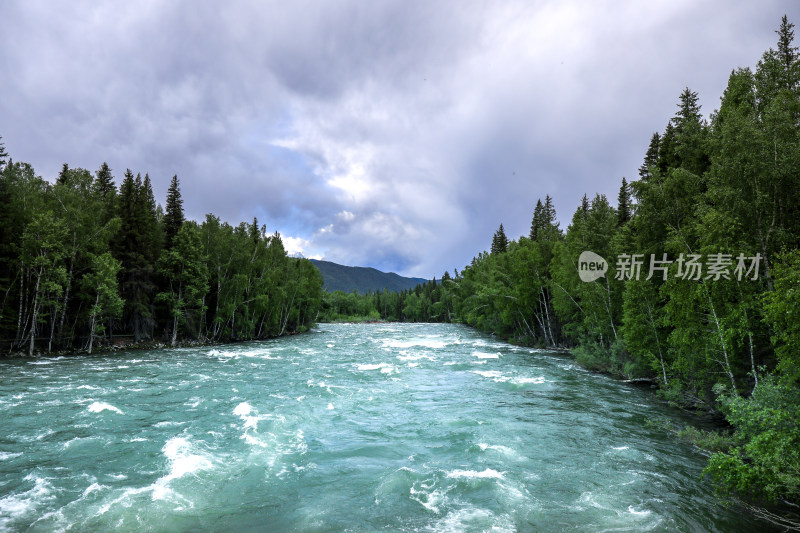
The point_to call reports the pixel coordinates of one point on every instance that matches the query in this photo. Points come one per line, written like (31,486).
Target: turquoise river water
(374,427)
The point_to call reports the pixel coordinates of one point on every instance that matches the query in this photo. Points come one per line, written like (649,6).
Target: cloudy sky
(392,134)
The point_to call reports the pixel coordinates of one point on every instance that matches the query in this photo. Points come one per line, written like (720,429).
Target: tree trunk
(658,344)
(52,329)
(20,332)
(726,365)
(35,312)
(607,303)
(66,291)
(547,316)
(92,323)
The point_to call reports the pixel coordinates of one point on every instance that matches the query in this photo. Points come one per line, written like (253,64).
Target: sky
(392,134)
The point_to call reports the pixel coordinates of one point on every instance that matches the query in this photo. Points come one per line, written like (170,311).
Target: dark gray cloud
(390,134)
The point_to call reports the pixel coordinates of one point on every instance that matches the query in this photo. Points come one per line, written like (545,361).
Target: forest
(86,263)
(720,196)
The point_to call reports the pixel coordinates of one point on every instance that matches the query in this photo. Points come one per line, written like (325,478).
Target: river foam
(397,427)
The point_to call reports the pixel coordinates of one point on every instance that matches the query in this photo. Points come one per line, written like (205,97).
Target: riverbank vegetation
(716,211)
(84,262)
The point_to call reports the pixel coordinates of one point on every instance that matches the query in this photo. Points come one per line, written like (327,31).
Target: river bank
(121,347)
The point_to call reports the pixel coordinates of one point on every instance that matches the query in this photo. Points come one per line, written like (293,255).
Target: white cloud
(296,246)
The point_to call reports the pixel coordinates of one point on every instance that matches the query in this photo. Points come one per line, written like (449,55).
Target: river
(390,427)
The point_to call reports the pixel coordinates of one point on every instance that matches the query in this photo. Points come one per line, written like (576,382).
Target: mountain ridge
(362,279)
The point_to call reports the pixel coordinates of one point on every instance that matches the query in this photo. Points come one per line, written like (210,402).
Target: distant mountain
(346,278)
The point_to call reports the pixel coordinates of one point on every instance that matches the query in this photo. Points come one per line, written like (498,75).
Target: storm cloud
(391,134)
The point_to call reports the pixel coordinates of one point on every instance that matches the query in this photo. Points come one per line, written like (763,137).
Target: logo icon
(591,266)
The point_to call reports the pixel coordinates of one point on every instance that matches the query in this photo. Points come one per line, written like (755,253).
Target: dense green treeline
(427,302)
(82,262)
(702,290)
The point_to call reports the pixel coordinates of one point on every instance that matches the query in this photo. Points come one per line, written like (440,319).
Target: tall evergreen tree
(499,241)
(63,175)
(584,209)
(153,220)
(691,131)
(3,154)
(137,250)
(624,203)
(667,158)
(650,158)
(106,190)
(104,181)
(173,219)
(536,223)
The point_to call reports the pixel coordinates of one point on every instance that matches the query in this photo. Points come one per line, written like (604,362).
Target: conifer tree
(173,219)
(107,191)
(666,150)
(650,158)
(62,176)
(3,154)
(584,209)
(624,203)
(153,217)
(499,241)
(536,223)
(104,181)
(690,135)
(549,222)
(137,250)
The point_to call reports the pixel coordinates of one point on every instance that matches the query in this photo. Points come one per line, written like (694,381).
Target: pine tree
(152,216)
(499,241)
(688,111)
(63,175)
(778,73)
(787,54)
(650,158)
(624,203)
(690,135)
(549,213)
(584,209)
(173,219)
(105,188)
(3,154)
(104,181)
(137,250)
(548,229)
(536,223)
(666,150)
(255,232)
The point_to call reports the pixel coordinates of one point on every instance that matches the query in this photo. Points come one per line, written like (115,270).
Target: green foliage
(782,310)
(185,269)
(101,281)
(712,441)
(81,261)
(764,464)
